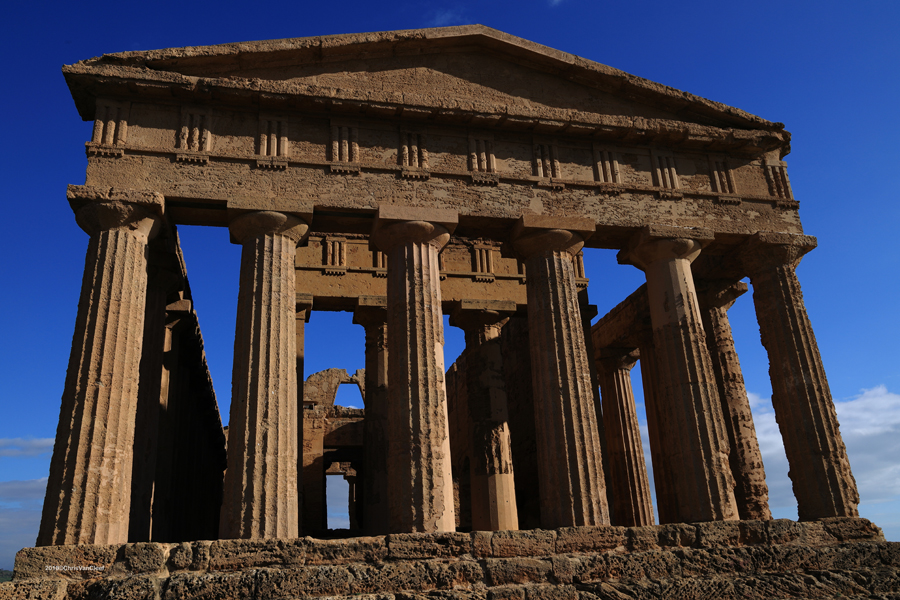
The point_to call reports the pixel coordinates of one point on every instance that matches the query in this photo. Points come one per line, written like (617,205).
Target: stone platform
(833,558)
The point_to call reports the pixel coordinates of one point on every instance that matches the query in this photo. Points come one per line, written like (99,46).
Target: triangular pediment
(438,74)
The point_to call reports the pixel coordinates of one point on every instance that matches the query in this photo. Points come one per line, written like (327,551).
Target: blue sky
(826,69)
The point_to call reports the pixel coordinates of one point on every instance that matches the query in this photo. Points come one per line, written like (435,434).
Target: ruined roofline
(218,59)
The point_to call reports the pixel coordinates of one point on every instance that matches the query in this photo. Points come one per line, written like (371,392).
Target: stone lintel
(373,301)
(81,195)
(625,355)
(719,293)
(389,214)
(620,327)
(180,306)
(492,305)
(240,205)
(530,224)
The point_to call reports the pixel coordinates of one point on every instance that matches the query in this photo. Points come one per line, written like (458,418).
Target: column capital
(371,311)
(303,304)
(612,359)
(397,225)
(533,234)
(764,250)
(250,225)
(719,293)
(105,209)
(481,319)
(663,242)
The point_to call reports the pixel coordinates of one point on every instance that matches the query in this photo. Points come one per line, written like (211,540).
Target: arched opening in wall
(333,363)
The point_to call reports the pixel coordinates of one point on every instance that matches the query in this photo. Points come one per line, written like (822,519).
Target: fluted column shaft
(819,469)
(420,482)
(696,443)
(88,490)
(572,486)
(666,500)
(376,509)
(632,506)
(493,490)
(260,496)
(751,492)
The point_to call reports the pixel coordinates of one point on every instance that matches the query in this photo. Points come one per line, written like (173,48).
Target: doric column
(572,486)
(628,472)
(663,482)
(88,490)
(493,483)
(260,498)
(372,315)
(420,482)
(696,444)
(819,469)
(302,312)
(588,312)
(751,492)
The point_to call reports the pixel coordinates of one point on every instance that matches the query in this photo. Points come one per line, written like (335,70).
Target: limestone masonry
(403,176)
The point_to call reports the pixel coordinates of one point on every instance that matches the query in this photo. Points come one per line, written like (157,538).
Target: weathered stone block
(550,592)
(189,556)
(677,535)
(414,576)
(506,592)
(718,533)
(589,539)
(501,571)
(428,545)
(64,562)
(564,568)
(130,588)
(33,590)
(845,529)
(535,542)
(481,544)
(641,539)
(142,557)
(329,580)
(338,552)
(753,532)
(230,555)
(188,586)
(784,531)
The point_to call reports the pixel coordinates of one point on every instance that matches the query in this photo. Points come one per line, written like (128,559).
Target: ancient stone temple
(404,176)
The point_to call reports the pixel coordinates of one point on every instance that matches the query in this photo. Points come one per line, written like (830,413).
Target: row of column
(87,498)
(706,459)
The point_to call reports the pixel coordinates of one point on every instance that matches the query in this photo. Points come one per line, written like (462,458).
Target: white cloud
(17,447)
(20,516)
(446,17)
(23,492)
(870,428)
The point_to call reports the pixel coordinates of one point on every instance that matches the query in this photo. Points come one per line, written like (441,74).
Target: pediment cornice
(226,75)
